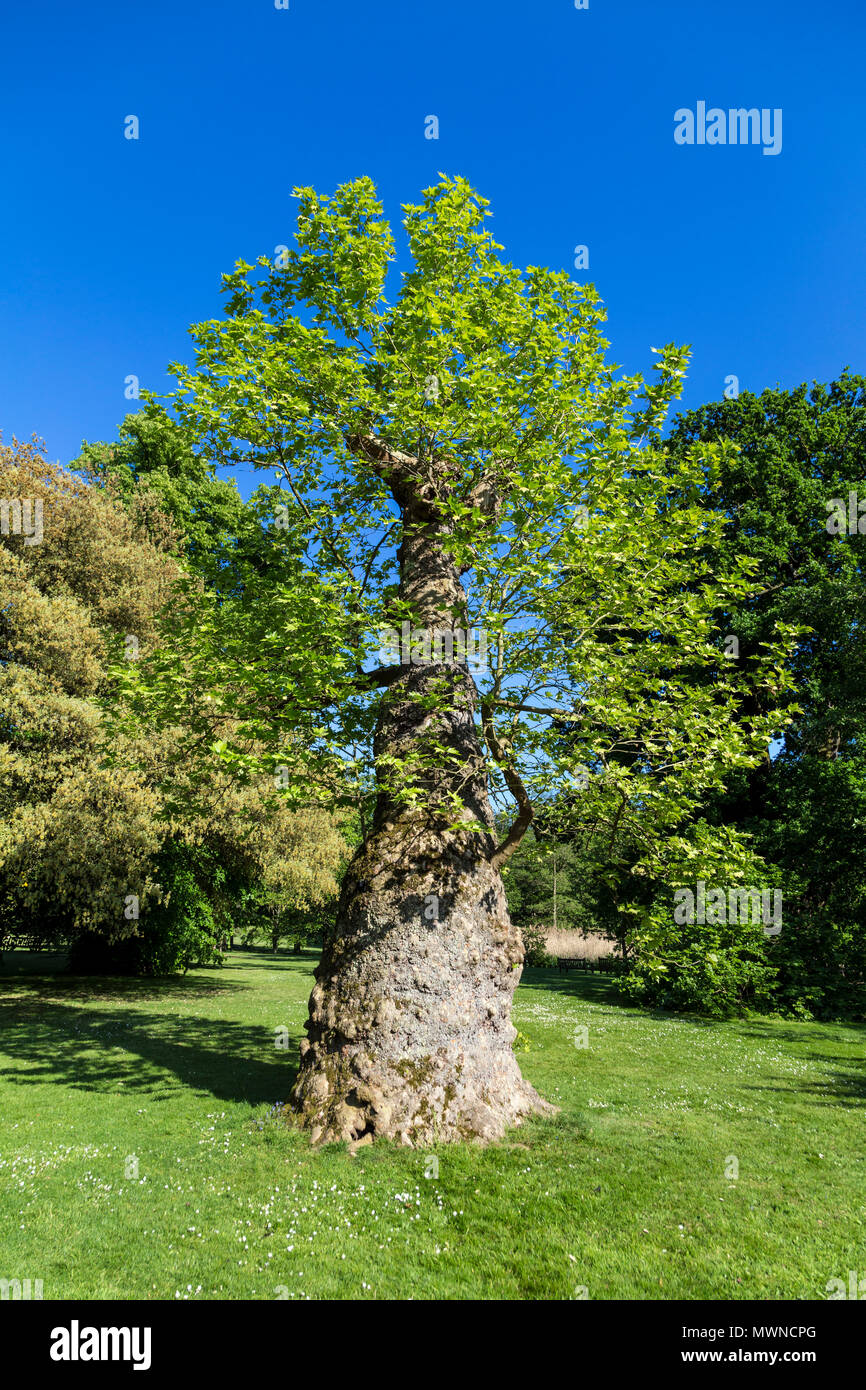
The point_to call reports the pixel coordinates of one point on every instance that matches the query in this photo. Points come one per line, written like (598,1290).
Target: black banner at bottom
(59,1339)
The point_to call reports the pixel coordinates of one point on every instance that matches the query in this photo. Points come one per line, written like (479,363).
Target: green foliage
(715,967)
(75,837)
(583,545)
(542,884)
(804,810)
(152,458)
(90,818)
(563,876)
(181,930)
(701,969)
(814,834)
(534,944)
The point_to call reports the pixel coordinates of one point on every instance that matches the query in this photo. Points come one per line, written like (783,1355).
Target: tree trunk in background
(409,1033)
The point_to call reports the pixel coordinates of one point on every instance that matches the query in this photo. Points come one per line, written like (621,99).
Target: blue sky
(564,118)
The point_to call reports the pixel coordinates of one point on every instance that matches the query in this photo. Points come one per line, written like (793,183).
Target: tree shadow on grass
(583,985)
(95,1049)
(780,1030)
(837,1086)
(45,976)
(57,984)
(252,957)
(839,1081)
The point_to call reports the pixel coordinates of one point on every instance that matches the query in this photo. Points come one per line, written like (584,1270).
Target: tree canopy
(586,553)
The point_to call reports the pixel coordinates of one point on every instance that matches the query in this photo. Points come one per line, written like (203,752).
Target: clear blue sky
(564,118)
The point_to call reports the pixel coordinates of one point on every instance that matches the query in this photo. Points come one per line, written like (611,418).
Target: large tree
(458,456)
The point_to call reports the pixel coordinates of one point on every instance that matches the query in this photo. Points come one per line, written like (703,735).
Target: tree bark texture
(409,1030)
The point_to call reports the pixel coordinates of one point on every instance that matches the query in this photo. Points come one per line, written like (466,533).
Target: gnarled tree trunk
(409,1028)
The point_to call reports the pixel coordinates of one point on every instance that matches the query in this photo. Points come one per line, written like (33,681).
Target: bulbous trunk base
(409,1029)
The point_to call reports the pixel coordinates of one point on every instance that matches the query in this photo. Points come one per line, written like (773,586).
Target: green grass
(624,1193)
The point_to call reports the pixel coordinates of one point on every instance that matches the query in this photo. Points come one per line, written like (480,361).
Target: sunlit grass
(138,1158)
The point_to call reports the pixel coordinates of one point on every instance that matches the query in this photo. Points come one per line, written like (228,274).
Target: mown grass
(623,1195)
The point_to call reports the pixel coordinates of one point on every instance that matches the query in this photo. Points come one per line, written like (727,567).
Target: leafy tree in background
(540,885)
(297,874)
(558,893)
(560,879)
(457,455)
(75,839)
(797,818)
(93,844)
(183,927)
(152,458)
(805,809)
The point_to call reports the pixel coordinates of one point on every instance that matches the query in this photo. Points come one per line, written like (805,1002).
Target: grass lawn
(625,1194)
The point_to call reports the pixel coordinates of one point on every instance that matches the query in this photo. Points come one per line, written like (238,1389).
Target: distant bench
(566,963)
(606,965)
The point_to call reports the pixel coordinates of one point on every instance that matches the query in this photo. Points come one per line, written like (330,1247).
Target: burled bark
(409,1032)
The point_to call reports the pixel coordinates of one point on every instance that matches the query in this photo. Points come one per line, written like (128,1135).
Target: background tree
(541,885)
(151,457)
(75,839)
(297,873)
(99,839)
(804,809)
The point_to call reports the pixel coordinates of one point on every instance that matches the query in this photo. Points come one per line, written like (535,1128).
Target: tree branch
(526,811)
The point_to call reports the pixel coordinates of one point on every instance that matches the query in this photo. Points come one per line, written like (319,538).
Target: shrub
(535,945)
(178,932)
